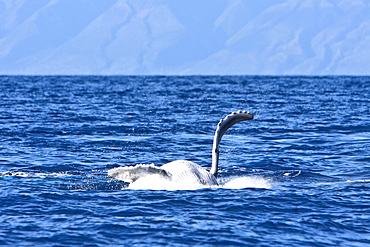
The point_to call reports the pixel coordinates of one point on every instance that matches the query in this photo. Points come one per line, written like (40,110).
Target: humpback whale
(184,172)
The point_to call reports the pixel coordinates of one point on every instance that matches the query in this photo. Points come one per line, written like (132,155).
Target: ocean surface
(301,167)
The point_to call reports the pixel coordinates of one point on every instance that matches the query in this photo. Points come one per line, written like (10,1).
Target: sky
(184,37)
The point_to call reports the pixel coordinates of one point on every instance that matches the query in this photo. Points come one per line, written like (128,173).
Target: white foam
(31,174)
(345,182)
(157,182)
(358,181)
(247,182)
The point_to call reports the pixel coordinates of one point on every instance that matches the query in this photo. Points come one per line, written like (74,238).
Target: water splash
(157,182)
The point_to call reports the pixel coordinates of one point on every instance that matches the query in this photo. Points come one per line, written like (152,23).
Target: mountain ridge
(142,37)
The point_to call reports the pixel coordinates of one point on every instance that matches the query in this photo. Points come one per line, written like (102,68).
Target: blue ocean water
(310,140)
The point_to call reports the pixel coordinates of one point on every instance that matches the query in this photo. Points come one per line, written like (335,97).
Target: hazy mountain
(185,37)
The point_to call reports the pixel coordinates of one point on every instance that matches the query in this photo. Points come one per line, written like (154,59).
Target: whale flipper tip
(131,173)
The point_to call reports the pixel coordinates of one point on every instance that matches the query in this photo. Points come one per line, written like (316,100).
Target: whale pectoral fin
(131,173)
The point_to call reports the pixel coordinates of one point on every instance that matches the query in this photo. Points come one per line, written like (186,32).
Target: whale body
(181,173)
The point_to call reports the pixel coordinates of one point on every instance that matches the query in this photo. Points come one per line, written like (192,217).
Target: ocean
(302,166)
